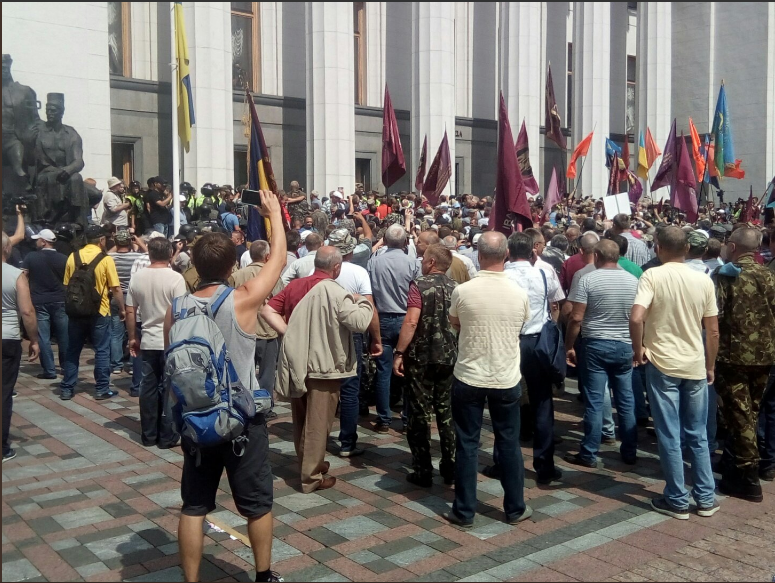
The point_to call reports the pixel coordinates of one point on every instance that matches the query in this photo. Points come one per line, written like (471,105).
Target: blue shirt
(391,273)
(230,221)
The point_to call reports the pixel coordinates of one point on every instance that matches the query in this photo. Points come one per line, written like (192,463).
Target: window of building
(240,167)
(245,45)
(569,104)
(632,5)
(123,160)
(119,39)
(359,30)
(629,121)
(363,172)
(457,178)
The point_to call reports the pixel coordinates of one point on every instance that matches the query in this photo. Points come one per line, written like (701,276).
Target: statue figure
(20,116)
(59,159)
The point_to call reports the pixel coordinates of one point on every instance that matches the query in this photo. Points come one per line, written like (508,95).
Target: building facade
(318,71)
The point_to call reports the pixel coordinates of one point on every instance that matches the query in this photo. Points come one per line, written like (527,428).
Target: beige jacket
(318,343)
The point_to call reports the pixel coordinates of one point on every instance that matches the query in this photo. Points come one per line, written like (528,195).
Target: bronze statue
(20,116)
(59,159)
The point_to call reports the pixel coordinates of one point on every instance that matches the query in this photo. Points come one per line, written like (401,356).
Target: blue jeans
(609,428)
(348,399)
(51,318)
(467,413)
(390,326)
(162,228)
(117,338)
(766,427)
(79,329)
(608,362)
(681,405)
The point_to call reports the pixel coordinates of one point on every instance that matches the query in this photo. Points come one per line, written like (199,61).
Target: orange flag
(699,160)
(652,150)
(581,150)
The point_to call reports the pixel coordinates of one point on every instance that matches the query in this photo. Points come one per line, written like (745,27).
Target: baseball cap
(698,240)
(113,181)
(94,232)
(342,240)
(476,238)
(155,179)
(336,194)
(123,237)
(46,235)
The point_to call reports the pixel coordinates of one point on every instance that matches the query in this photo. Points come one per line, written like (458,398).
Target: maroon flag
(438,174)
(553,195)
(634,187)
(523,157)
(684,189)
(552,123)
(393,163)
(420,178)
(613,175)
(747,214)
(667,169)
(510,211)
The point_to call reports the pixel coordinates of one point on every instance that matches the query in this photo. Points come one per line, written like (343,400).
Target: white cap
(182,198)
(304,234)
(113,181)
(336,194)
(476,238)
(46,235)
(154,235)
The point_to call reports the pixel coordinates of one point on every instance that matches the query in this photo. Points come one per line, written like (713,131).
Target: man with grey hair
(391,273)
(451,244)
(267,343)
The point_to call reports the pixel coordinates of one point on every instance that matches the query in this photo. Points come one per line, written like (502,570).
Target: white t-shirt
(354,279)
(153,290)
(245,260)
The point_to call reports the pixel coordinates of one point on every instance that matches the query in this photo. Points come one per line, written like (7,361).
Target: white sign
(615,204)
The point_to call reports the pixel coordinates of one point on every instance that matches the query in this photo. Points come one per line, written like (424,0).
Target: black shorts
(250,476)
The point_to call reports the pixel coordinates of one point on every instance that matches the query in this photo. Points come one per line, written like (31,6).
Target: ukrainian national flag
(185,95)
(643,163)
(260,173)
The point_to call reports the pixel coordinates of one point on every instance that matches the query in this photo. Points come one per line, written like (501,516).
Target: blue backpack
(210,406)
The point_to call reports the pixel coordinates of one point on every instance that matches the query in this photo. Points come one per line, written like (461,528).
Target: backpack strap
(78,260)
(95,262)
(217,299)
(546,292)
(184,306)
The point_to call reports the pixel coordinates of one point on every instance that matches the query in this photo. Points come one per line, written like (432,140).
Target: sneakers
(706,511)
(356,451)
(134,393)
(105,395)
(46,377)
(664,507)
(65,395)
(577,460)
(9,455)
(381,427)
(14,395)
(524,516)
(268,577)
(455,520)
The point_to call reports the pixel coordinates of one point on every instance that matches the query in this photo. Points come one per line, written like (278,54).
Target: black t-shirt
(46,272)
(158,214)
(241,249)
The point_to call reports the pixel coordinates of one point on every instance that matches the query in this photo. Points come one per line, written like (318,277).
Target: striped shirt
(608,295)
(637,250)
(124,263)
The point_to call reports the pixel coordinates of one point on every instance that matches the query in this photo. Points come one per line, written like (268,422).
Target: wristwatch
(398,353)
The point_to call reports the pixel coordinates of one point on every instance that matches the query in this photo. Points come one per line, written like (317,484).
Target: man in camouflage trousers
(746,300)
(426,353)
(298,207)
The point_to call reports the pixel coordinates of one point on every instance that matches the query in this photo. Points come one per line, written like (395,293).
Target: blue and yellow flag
(643,164)
(260,173)
(185,95)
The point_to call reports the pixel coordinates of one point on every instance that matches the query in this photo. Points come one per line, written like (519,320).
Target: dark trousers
(766,429)
(267,351)
(155,417)
(349,401)
(78,330)
(467,412)
(539,390)
(12,357)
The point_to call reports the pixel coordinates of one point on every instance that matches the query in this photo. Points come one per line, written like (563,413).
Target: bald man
(746,300)
(457,272)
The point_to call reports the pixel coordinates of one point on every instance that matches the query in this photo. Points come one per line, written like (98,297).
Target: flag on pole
(611,148)
(626,153)
(684,188)
(438,173)
(667,169)
(643,163)
(552,122)
(260,173)
(652,150)
(613,174)
(419,180)
(553,195)
(634,187)
(697,153)
(523,157)
(724,157)
(185,95)
(393,163)
(581,150)
(511,210)
(747,214)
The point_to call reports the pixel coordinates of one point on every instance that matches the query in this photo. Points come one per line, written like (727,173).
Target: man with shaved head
(602,302)
(746,301)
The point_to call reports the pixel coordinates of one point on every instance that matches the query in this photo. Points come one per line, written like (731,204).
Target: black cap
(94,232)
(186,187)
(155,179)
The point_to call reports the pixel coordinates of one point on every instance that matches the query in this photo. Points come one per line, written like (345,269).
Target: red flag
(553,195)
(438,174)
(699,159)
(747,214)
(420,178)
(523,157)
(734,171)
(684,188)
(581,150)
(652,150)
(393,163)
(666,173)
(510,209)
(552,122)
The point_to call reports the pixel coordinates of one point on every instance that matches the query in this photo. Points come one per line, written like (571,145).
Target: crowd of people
(393,303)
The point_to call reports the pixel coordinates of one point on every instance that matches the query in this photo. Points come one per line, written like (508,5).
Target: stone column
(433,81)
(655,75)
(376,30)
(330,97)
(591,92)
(271,48)
(211,157)
(521,77)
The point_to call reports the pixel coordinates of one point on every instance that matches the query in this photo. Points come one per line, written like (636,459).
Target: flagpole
(175,145)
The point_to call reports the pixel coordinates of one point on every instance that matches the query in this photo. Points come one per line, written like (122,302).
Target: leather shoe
(577,460)
(455,520)
(545,481)
(327,482)
(46,377)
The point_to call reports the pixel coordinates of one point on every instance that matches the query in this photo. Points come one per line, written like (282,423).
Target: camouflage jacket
(299,210)
(435,341)
(746,314)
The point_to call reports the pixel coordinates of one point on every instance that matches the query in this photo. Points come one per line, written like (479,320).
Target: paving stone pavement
(85,501)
